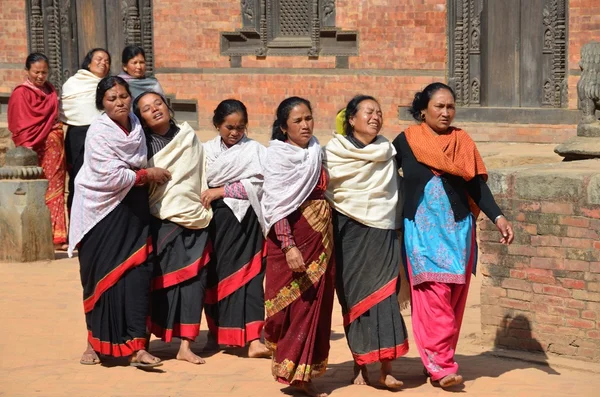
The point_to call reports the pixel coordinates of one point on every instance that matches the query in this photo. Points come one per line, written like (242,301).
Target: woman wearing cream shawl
(363,191)
(300,267)
(235,306)
(179,225)
(110,223)
(78,109)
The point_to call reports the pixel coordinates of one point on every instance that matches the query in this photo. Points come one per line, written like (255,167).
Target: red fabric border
(185,273)
(370,301)
(232,283)
(235,336)
(136,259)
(116,349)
(188,331)
(388,353)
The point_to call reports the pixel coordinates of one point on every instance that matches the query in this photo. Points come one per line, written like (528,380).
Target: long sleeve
(283,231)
(482,196)
(236,190)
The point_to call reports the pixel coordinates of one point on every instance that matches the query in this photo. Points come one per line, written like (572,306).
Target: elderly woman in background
(444,190)
(235,307)
(178,225)
(363,191)
(33,121)
(134,72)
(78,109)
(110,223)
(300,267)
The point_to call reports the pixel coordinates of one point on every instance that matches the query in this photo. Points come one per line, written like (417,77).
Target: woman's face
(155,113)
(300,125)
(116,103)
(100,64)
(38,73)
(367,121)
(232,129)
(136,67)
(440,111)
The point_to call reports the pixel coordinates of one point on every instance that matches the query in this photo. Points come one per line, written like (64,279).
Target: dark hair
(130,52)
(85,64)
(106,84)
(138,112)
(352,109)
(35,57)
(227,107)
(283,112)
(422,99)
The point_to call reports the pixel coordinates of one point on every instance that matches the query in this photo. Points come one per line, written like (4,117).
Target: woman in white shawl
(235,306)
(300,267)
(110,223)
(363,191)
(78,109)
(178,225)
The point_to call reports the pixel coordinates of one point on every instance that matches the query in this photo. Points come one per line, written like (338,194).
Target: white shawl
(78,99)
(363,183)
(107,173)
(291,174)
(179,199)
(242,162)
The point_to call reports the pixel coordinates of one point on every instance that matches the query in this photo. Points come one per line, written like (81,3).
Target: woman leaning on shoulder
(300,267)
(33,121)
(444,190)
(78,109)
(110,221)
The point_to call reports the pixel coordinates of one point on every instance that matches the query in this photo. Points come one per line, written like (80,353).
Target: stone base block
(579,148)
(25,225)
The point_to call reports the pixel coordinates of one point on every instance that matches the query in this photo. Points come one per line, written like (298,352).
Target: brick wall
(543,292)
(13,43)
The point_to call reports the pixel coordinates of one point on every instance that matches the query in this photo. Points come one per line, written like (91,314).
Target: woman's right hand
(158,175)
(294,260)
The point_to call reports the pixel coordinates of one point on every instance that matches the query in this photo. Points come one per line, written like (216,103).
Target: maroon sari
(299,304)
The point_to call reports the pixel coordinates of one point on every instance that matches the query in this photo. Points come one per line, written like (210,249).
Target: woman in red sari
(300,267)
(33,121)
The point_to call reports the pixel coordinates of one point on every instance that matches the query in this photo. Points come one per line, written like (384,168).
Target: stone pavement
(42,336)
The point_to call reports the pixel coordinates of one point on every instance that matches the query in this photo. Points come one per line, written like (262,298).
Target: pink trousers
(437,313)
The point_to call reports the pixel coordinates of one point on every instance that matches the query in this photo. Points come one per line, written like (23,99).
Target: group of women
(167,226)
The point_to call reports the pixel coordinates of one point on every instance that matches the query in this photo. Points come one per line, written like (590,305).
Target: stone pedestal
(6,143)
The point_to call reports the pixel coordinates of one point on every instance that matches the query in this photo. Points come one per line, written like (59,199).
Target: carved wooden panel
(65,30)
(288,27)
(508,53)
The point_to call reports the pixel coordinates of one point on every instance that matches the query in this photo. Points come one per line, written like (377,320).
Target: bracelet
(286,249)
(498,217)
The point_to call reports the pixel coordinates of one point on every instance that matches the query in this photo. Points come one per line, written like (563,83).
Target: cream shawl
(179,199)
(107,173)
(291,174)
(243,162)
(363,182)
(78,99)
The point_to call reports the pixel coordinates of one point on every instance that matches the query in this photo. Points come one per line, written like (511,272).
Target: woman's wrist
(285,250)
(498,218)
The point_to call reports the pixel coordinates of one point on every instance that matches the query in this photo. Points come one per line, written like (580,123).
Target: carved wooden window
(289,27)
(509,53)
(61,29)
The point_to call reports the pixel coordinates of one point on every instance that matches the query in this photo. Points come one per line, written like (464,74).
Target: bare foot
(361,375)
(89,356)
(451,380)
(186,354)
(258,350)
(142,358)
(211,343)
(61,247)
(309,389)
(386,378)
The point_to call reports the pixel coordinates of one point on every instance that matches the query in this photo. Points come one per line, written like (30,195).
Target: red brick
(547,241)
(557,208)
(585,324)
(555,290)
(521,274)
(581,232)
(575,265)
(595,267)
(520,295)
(574,303)
(521,285)
(576,242)
(548,319)
(593,334)
(530,206)
(589,314)
(514,304)
(577,221)
(591,212)
(525,250)
(572,283)
(547,263)
(593,287)
(550,252)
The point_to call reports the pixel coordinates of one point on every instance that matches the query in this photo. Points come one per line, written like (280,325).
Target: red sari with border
(33,121)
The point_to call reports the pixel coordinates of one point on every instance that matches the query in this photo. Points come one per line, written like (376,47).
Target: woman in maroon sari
(300,268)
(33,121)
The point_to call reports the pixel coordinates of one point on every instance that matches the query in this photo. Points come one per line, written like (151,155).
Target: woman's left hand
(506,230)
(208,196)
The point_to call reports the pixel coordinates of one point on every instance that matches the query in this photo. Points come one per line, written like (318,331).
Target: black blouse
(417,175)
